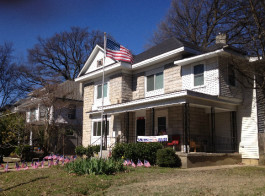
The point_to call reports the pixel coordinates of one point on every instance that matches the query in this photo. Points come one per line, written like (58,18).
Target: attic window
(100,63)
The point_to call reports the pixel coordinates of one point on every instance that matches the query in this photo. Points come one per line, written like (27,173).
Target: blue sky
(130,22)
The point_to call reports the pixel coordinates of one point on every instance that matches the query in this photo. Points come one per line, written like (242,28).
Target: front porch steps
(201,159)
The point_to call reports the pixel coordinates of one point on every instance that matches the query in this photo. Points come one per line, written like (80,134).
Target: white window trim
(99,120)
(98,102)
(158,91)
(192,75)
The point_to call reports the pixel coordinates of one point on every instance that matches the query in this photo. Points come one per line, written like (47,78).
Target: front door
(161,121)
(140,127)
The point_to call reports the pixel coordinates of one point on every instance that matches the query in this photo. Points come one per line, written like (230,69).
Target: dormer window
(198,72)
(99,62)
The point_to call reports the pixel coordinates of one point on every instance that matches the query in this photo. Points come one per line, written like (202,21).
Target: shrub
(118,151)
(80,150)
(135,151)
(167,158)
(94,166)
(24,151)
(89,151)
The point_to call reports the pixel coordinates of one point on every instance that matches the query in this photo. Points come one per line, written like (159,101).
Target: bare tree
(196,21)
(64,54)
(9,76)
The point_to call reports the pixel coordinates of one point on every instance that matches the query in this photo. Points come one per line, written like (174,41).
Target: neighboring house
(60,107)
(177,89)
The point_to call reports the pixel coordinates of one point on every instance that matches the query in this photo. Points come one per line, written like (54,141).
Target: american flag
(133,164)
(146,163)
(118,52)
(139,164)
(6,168)
(125,162)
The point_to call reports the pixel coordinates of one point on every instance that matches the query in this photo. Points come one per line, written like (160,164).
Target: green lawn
(139,181)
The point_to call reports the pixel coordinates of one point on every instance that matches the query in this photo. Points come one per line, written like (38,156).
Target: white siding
(93,65)
(211,77)
(247,123)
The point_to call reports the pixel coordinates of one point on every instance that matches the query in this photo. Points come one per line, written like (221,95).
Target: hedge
(135,151)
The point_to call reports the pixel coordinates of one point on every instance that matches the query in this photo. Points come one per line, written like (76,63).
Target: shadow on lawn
(36,179)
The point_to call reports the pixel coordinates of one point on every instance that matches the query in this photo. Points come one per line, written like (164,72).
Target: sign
(160,138)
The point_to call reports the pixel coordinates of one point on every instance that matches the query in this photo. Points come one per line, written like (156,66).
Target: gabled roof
(90,58)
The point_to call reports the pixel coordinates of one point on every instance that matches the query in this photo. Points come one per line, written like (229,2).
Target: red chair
(175,141)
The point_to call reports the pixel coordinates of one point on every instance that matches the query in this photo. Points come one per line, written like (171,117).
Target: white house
(174,88)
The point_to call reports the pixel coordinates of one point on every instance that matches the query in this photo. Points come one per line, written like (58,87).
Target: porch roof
(170,99)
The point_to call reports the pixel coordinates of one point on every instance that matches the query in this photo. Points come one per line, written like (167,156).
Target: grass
(138,181)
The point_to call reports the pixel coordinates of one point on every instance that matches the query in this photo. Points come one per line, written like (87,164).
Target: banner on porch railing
(159,138)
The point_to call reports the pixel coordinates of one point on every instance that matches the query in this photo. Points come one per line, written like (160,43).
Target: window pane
(99,129)
(99,91)
(159,80)
(105,89)
(198,75)
(150,83)
(95,129)
(107,127)
(198,69)
(198,80)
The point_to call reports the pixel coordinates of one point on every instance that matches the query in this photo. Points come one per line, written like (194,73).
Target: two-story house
(58,108)
(173,88)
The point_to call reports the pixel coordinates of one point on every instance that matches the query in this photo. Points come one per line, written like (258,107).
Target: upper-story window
(99,62)
(198,72)
(43,113)
(231,79)
(155,81)
(33,114)
(71,111)
(99,90)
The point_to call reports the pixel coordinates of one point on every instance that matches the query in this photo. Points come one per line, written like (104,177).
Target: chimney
(221,38)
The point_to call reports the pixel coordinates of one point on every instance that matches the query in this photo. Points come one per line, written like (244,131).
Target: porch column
(105,131)
(127,127)
(213,128)
(186,126)
(153,121)
(233,125)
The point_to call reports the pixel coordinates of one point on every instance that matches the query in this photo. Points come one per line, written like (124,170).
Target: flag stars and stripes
(118,52)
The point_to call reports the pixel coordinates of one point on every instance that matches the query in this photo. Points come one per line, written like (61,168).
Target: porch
(190,128)
(194,123)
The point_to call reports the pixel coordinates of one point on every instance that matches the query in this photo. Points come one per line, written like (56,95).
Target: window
(100,63)
(99,90)
(97,128)
(155,81)
(198,72)
(33,115)
(43,113)
(69,132)
(71,111)
(231,75)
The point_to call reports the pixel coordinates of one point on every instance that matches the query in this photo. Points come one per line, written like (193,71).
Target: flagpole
(102,93)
